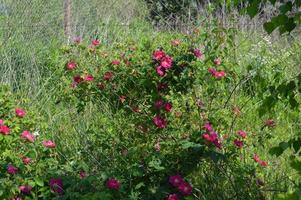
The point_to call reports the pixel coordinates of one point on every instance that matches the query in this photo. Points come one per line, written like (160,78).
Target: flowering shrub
(167,123)
(171,97)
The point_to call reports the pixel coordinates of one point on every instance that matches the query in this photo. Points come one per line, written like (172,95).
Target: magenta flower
(168,107)
(20,112)
(159,121)
(82,174)
(238,143)
(161,71)
(158,104)
(175,180)
(95,42)
(259,161)
(158,55)
(26,160)
(212,71)
(212,137)
(26,135)
(25,189)
(217,61)
(77,80)
(208,127)
(173,197)
(166,62)
(108,76)
(71,65)
(113,184)
(242,133)
(219,74)
(115,62)
(88,77)
(185,188)
(12,169)
(263,163)
(49,144)
(56,185)
(1,122)
(197,53)
(256,157)
(4,130)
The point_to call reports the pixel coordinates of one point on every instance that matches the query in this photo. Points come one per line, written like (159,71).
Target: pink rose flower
(26,135)
(158,55)
(12,169)
(159,121)
(82,174)
(242,133)
(219,74)
(56,185)
(175,180)
(115,62)
(77,80)
(259,161)
(173,197)
(71,65)
(20,112)
(185,188)
(1,122)
(88,77)
(238,143)
(217,61)
(161,71)
(113,184)
(108,76)
(197,53)
(158,104)
(95,42)
(168,107)
(4,130)
(26,160)
(166,62)
(25,189)
(49,144)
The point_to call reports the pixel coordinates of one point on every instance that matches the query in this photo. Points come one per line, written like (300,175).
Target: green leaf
(269,27)
(286,7)
(39,181)
(252,10)
(297,145)
(277,151)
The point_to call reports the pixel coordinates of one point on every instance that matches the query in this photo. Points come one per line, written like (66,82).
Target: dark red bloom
(158,55)
(71,65)
(25,189)
(173,197)
(168,107)
(161,71)
(115,62)
(108,76)
(159,121)
(113,184)
(56,185)
(197,53)
(166,62)
(185,188)
(95,42)
(238,143)
(158,104)
(12,169)
(176,180)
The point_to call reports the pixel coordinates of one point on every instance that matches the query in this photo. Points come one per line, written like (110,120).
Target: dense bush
(172,117)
